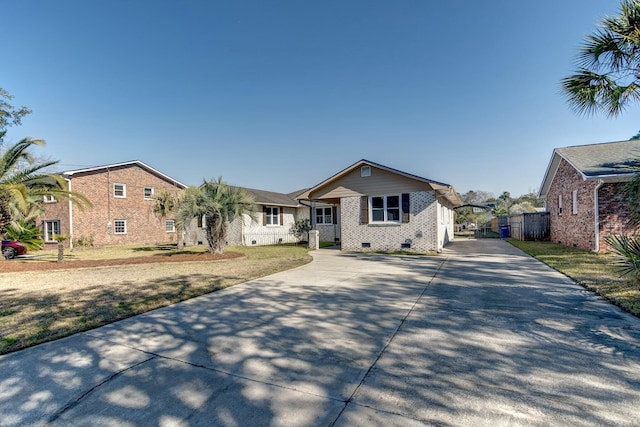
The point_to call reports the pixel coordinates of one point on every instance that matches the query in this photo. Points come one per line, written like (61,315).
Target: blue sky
(280,95)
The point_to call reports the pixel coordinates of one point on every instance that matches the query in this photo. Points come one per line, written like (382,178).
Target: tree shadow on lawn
(44,317)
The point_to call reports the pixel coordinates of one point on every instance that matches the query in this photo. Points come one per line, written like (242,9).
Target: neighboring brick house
(122,199)
(584,191)
(383,209)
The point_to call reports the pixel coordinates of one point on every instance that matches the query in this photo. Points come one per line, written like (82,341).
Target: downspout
(70,215)
(597,215)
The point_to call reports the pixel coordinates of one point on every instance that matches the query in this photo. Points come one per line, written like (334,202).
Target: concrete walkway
(483,335)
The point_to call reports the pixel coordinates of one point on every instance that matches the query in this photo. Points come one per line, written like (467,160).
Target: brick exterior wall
(613,212)
(422,229)
(579,229)
(98,221)
(567,228)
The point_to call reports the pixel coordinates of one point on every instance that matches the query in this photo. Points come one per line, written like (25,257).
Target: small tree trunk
(60,251)
(180,238)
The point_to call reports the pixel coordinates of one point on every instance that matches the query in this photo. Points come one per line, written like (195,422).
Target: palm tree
(24,183)
(219,204)
(166,204)
(608,75)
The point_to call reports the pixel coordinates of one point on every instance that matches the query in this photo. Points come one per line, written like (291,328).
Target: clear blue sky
(280,95)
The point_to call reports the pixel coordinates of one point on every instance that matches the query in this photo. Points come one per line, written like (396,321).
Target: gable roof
(138,163)
(441,188)
(262,197)
(610,162)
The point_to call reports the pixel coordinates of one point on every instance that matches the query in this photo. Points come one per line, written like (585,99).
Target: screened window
(272,215)
(170,226)
(324,216)
(148,193)
(385,209)
(119,190)
(51,228)
(120,226)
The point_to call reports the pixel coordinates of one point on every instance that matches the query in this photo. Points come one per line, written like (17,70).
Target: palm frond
(627,248)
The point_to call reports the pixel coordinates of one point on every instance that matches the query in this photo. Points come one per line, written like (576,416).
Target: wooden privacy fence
(529,226)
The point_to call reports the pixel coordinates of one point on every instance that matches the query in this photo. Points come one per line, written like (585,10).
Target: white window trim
(385,208)
(275,217)
(574,204)
(48,237)
(173,226)
(124,221)
(49,199)
(124,190)
(365,171)
(144,193)
(324,216)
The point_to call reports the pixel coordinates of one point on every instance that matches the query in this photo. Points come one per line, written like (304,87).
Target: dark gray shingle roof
(607,159)
(271,198)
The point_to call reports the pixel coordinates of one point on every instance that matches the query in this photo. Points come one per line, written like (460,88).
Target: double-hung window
(51,228)
(49,199)
(324,215)
(272,215)
(170,226)
(120,190)
(385,208)
(148,193)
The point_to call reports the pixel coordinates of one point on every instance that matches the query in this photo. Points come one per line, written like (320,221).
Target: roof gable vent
(365,171)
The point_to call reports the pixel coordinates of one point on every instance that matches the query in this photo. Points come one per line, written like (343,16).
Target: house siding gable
(381,182)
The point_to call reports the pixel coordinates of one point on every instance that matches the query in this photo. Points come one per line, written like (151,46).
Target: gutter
(597,215)
(70,215)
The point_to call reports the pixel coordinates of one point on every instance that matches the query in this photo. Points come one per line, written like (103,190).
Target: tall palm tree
(24,183)
(219,203)
(608,75)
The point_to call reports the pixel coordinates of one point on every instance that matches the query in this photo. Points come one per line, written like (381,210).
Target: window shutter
(264,215)
(364,210)
(281,215)
(334,214)
(406,207)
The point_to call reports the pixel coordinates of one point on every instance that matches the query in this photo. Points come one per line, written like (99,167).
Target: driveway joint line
(79,399)
(382,351)
(209,368)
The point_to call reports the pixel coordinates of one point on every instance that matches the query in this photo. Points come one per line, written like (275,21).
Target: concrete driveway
(483,335)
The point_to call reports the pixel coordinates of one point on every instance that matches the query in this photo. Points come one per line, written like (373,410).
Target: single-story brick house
(385,209)
(122,199)
(584,191)
(270,224)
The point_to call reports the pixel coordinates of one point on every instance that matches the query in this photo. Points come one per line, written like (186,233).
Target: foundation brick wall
(422,228)
(142,225)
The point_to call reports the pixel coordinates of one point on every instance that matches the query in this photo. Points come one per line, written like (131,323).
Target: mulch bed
(20,265)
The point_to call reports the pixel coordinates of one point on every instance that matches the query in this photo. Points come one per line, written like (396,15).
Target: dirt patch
(19,265)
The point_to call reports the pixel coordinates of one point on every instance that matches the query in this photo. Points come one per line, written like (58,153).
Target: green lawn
(40,306)
(595,272)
